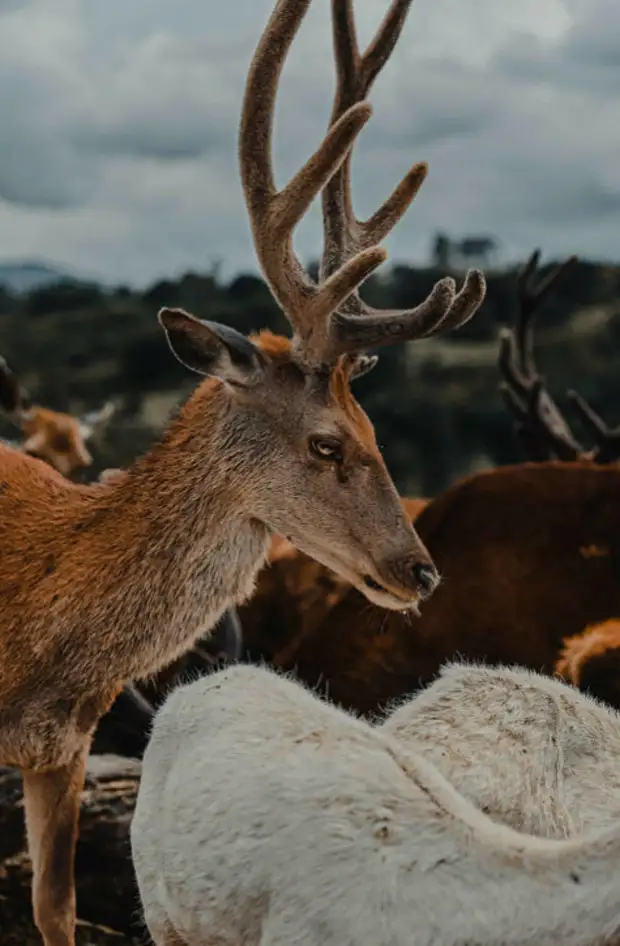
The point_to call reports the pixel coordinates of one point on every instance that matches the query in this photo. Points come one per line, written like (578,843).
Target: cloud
(39,167)
(160,102)
(8,6)
(586,62)
(120,122)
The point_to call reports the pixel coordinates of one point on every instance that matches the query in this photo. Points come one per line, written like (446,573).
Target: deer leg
(52,805)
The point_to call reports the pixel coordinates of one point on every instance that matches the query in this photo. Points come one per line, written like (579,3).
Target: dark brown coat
(529,556)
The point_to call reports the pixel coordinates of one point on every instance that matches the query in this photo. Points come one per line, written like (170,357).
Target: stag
(119,579)
(529,554)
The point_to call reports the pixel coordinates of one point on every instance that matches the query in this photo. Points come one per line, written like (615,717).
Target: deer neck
(174,537)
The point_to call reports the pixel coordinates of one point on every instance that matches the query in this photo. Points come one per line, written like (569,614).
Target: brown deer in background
(58,438)
(591,660)
(530,555)
(110,582)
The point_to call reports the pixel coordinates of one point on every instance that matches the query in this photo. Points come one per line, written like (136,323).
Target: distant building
(471,250)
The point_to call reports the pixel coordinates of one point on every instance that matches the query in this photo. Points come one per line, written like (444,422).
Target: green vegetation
(435,403)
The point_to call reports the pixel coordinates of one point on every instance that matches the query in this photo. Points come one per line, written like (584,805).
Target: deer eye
(326,448)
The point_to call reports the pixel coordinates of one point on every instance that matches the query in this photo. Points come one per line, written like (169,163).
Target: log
(107,896)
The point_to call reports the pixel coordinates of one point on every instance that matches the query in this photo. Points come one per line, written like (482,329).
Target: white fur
(266,816)
(530,751)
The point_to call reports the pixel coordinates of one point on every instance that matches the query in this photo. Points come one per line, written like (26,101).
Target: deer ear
(361,365)
(212,349)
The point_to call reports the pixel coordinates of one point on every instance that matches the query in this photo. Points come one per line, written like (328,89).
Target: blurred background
(119,193)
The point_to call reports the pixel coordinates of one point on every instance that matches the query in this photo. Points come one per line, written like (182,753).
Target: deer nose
(426,577)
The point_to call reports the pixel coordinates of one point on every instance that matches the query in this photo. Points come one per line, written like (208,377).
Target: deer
(541,547)
(590,660)
(120,578)
(54,436)
(530,751)
(348,833)
(60,440)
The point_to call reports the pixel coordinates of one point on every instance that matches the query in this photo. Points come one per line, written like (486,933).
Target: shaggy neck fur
(124,577)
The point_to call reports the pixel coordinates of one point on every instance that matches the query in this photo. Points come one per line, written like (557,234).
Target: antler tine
(533,437)
(274,214)
(538,419)
(539,423)
(529,301)
(345,234)
(355,74)
(607,439)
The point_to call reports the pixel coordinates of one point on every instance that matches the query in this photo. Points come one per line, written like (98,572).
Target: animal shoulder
(22,475)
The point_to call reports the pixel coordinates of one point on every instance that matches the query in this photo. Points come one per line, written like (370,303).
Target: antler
(358,326)
(606,439)
(539,422)
(274,214)
(320,334)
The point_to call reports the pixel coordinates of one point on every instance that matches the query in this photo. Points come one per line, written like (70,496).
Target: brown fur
(594,641)
(529,554)
(516,586)
(413,507)
(57,438)
(282,548)
(49,571)
(591,661)
(101,584)
(279,350)
(107,583)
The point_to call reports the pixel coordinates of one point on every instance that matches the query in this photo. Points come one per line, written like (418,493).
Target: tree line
(435,404)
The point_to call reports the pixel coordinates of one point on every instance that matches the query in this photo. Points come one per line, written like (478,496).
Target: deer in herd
(118,579)
(347,832)
(590,660)
(530,555)
(58,438)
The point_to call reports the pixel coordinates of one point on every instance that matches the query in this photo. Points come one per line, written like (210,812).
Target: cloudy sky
(119,121)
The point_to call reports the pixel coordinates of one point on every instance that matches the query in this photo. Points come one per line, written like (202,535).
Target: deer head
(319,479)
(58,438)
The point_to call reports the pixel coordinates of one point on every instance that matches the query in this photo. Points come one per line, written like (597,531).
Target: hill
(24,277)
(435,403)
